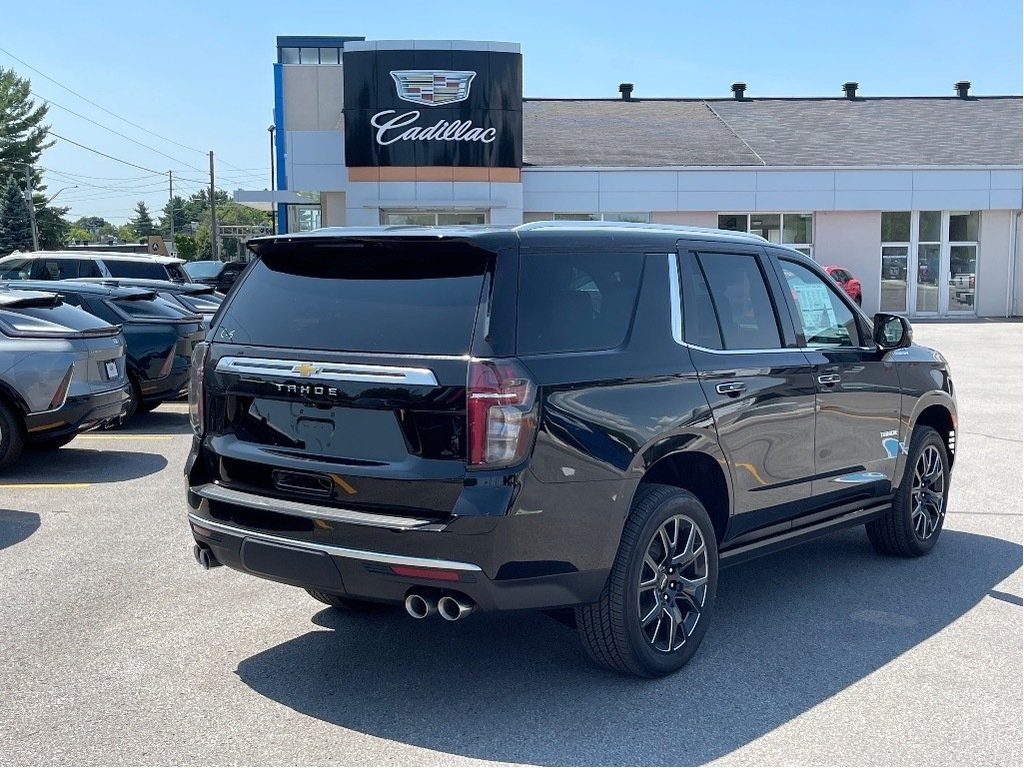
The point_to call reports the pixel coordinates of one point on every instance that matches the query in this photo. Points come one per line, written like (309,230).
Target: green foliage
(185,247)
(15,226)
(142,224)
(51,225)
(23,135)
(100,229)
(79,235)
(181,220)
(126,234)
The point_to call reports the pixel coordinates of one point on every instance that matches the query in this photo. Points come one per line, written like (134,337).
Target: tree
(99,228)
(125,233)
(15,225)
(53,227)
(142,225)
(176,205)
(185,247)
(23,135)
(78,235)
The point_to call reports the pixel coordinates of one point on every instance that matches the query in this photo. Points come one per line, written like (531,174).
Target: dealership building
(918,197)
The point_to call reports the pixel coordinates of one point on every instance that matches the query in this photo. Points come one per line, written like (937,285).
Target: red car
(846,281)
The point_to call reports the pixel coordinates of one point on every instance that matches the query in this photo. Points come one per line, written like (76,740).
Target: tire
(344,603)
(665,524)
(12,435)
(913,524)
(134,400)
(50,445)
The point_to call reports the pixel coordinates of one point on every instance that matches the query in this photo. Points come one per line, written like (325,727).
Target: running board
(799,535)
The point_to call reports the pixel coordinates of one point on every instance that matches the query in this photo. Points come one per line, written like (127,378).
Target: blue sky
(199,73)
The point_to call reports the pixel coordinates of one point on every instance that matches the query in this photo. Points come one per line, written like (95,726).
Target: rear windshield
(151,308)
(49,319)
(379,301)
(144,269)
(576,302)
(203,269)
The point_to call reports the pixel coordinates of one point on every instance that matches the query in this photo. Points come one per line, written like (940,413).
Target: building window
(288,55)
(329,56)
(795,230)
(940,250)
(303,218)
(635,218)
(432,218)
(895,252)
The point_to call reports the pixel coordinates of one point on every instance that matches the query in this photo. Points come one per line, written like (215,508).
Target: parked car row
(78,354)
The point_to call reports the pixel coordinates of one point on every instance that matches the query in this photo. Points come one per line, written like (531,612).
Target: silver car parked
(62,371)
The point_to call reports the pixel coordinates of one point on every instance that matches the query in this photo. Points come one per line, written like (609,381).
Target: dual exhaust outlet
(449,607)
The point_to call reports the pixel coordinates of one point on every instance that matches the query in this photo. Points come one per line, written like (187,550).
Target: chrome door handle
(829,379)
(730,388)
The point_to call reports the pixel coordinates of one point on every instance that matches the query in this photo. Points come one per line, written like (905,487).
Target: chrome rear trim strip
(262,368)
(310,511)
(353,554)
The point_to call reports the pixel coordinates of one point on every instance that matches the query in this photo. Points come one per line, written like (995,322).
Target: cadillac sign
(465,116)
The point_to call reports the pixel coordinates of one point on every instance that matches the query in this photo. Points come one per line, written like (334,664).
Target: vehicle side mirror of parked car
(892,332)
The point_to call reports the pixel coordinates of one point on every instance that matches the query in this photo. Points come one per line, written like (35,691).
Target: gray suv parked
(70,265)
(62,371)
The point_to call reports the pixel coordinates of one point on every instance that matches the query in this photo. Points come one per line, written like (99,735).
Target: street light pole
(273,205)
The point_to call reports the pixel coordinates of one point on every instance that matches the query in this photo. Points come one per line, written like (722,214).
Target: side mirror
(892,332)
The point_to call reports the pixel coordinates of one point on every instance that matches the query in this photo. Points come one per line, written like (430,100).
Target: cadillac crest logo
(432,88)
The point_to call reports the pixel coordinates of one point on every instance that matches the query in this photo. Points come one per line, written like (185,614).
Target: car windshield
(15,269)
(198,270)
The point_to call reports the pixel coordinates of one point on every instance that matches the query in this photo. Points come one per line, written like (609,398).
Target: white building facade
(919,198)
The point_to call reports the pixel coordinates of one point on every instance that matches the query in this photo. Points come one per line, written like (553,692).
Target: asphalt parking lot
(116,648)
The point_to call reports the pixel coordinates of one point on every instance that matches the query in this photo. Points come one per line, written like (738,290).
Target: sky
(197,76)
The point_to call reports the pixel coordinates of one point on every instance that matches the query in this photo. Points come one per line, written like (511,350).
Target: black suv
(554,416)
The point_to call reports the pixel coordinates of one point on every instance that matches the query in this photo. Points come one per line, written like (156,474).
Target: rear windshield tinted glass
(576,302)
(203,269)
(149,309)
(148,270)
(419,302)
(202,304)
(27,319)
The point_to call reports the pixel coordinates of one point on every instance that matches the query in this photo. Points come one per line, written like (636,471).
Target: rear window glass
(15,269)
(745,312)
(700,325)
(148,309)
(149,270)
(26,319)
(416,301)
(203,269)
(202,304)
(576,302)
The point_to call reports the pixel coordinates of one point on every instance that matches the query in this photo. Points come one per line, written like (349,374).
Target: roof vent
(738,89)
(962,88)
(850,89)
(626,89)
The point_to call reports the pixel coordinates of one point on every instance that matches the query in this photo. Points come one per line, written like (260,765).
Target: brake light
(62,390)
(501,410)
(196,389)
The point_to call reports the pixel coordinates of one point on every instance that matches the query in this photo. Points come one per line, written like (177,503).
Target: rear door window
(700,325)
(143,269)
(741,300)
(55,269)
(576,302)
(407,299)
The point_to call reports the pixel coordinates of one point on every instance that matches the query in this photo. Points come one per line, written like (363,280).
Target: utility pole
(31,207)
(170,196)
(213,213)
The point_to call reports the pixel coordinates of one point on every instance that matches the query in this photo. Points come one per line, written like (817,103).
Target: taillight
(501,410)
(196,393)
(62,390)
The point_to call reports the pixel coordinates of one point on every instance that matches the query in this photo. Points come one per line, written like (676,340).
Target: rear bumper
(371,558)
(78,414)
(172,386)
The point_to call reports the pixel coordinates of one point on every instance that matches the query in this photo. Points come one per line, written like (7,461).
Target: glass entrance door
(945,255)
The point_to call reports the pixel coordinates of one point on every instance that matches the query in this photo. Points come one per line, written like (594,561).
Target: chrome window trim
(775,350)
(353,554)
(308,510)
(360,372)
(675,298)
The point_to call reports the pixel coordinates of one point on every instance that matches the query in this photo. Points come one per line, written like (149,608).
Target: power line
(116,133)
(104,154)
(113,114)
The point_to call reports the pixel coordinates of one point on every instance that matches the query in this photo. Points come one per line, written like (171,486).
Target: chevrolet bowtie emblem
(305,369)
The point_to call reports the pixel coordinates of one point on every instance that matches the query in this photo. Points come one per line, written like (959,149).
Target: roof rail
(640,226)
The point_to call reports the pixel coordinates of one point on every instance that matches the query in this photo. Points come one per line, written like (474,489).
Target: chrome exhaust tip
(205,557)
(419,607)
(453,608)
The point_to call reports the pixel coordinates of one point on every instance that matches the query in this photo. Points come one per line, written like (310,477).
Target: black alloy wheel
(12,435)
(655,607)
(913,524)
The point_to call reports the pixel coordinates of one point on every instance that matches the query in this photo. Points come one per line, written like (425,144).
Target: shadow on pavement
(159,422)
(80,465)
(789,631)
(16,526)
